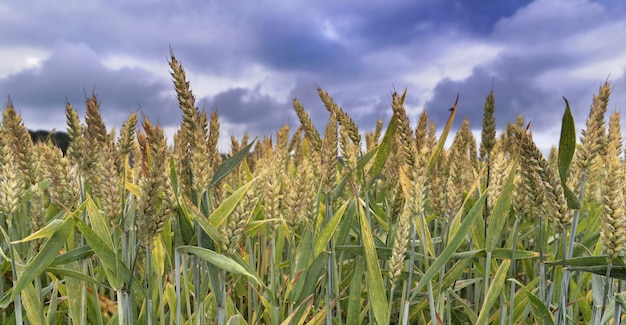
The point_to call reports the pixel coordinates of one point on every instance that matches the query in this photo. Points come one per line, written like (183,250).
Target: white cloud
(16,59)
(456,63)
(545,19)
(359,54)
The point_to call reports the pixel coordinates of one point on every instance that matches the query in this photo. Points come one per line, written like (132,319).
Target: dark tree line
(61,139)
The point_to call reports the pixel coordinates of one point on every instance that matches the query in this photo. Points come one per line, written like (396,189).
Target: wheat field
(383,227)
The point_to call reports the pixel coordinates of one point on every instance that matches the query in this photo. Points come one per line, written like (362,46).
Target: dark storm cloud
(516,92)
(396,23)
(260,114)
(302,47)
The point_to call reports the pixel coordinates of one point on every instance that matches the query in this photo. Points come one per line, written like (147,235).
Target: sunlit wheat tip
(421,131)
(307,125)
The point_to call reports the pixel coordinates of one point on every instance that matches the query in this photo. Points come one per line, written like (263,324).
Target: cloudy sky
(246,59)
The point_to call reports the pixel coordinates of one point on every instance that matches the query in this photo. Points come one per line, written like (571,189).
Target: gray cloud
(514,88)
(261,114)
(533,51)
(73,71)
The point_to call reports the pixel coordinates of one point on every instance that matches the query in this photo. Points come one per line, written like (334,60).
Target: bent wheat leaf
(219,261)
(72,256)
(538,308)
(44,232)
(44,258)
(69,273)
(222,212)
(98,223)
(109,259)
(322,240)
(231,163)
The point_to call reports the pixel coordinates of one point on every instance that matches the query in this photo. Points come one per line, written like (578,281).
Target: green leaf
(588,261)
(231,163)
(44,258)
(353,316)
(69,273)
(108,258)
(101,227)
(494,292)
(384,253)
(540,311)
(31,301)
(384,148)
(375,286)
(302,257)
(174,176)
(313,276)
(219,215)
(245,265)
(73,255)
(98,223)
(207,234)
(44,232)
(185,224)
(442,139)
(360,164)
(567,147)
(507,253)
(322,240)
(500,214)
(453,244)
(219,261)
(596,265)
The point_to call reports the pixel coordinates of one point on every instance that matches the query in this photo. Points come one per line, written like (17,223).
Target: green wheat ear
(488,133)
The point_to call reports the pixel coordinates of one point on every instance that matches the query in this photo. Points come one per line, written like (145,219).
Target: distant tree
(61,139)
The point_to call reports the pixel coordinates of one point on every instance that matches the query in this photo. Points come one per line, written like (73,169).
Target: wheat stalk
(329,155)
